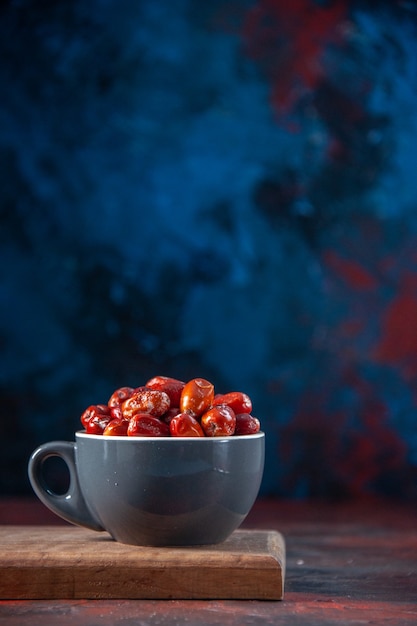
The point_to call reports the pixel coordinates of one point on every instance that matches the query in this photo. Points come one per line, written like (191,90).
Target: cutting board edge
(258,575)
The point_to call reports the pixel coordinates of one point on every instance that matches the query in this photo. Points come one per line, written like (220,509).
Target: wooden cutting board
(41,562)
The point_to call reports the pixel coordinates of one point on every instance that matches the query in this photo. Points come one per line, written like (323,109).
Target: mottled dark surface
(221,189)
(349,563)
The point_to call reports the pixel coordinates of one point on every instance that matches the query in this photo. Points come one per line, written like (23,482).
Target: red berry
(95,410)
(185,425)
(116,427)
(146,400)
(247,424)
(97,424)
(197,396)
(146,425)
(119,396)
(238,401)
(219,421)
(172,387)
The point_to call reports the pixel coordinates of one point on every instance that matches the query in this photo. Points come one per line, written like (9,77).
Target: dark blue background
(219,189)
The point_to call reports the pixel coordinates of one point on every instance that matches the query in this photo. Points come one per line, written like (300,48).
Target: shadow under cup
(161,491)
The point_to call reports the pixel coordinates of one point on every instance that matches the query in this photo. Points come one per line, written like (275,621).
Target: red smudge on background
(343,450)
(373,448)
(288,40)
(309,445)
(350,328)
(398,344)
(350,271)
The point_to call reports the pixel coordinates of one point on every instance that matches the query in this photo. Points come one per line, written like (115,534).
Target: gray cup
(160,491)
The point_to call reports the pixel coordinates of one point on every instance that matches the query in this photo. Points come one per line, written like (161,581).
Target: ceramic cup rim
(82,434)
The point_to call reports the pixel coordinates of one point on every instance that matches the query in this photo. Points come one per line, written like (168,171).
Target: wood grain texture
(51,562)
(347,563)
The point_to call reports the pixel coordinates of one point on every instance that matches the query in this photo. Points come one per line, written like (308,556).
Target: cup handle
(71,505)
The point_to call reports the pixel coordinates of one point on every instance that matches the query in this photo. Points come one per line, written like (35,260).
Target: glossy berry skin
(120,395)
(146,400)
(97,424)
(238,401)
(116,412)
(219,421)
(95,410)
(172,387)
(116,427)
(246,424)
(185,425)
(197,396)
(146,425)
(167,406)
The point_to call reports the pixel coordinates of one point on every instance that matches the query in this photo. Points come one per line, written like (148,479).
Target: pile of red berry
(167,407)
